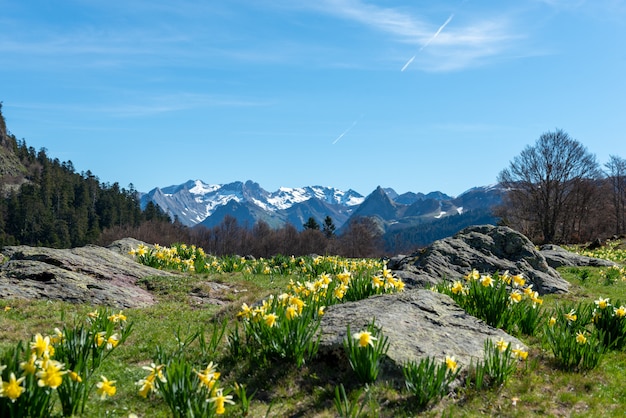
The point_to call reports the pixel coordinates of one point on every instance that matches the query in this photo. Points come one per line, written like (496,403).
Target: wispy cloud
(220,36)
(469,43)
(144,106)
(400,24)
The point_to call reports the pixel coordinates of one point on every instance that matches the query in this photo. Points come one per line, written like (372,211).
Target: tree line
(56,207)
(361,238)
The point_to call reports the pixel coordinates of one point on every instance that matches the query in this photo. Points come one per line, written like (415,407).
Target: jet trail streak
(347,130)
(432,38)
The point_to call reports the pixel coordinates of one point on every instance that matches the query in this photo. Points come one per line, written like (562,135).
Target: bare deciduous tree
(546,183)
(616,175)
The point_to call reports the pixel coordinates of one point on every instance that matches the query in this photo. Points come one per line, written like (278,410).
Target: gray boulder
(559,257)
(419,323)
(90,274)
(486,248)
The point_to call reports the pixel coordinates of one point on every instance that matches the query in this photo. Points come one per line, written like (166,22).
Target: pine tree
(311,223)
(329,227)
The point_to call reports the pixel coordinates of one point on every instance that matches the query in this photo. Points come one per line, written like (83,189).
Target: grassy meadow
(210,347)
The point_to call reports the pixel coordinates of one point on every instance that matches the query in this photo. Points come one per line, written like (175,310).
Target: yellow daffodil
(320,310)
(602,303)
(399,285)
(105,388)
(155,372)
(51,374)
(552,321)
(620,312)
(220,400)
(299,303)
(473,275)
(270,319)
(518,280)
(245,312)
(515,296)
(528,290)
(519,353)
(146,386)
(501,345)
(365,338)
(141,250)
(13,388)
(99,338)
(7,308)
(325,278)
(209,376)
(344,277)
(291,312)
(486,281)
(41,345)
(30,366)
(457,287)
(117,317)
(571,316)
(75,376)
(113,341)
(340,291)
(451,363)
(377,282)
(535,299)
(57,337)
(580,338)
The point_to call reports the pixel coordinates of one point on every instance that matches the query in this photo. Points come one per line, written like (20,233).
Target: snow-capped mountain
(195,202)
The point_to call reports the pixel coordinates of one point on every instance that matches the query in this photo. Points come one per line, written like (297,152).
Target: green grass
(537,389)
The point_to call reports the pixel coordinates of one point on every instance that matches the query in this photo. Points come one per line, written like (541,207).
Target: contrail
(347,130)
(432,38)
(408,63)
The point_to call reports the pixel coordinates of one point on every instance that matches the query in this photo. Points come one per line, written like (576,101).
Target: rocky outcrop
(419,323)
(559,257)
(486,248)
(90,274)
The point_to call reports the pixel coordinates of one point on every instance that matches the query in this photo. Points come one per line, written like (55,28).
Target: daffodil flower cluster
(189,258)
(60,364)
(37,374)
(178,257)
(613,274)
(283,326)
(186,390)
(609,251)
(611,321)
(502,300)
(573,335)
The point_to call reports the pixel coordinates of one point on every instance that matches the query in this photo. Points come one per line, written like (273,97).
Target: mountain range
(198,203)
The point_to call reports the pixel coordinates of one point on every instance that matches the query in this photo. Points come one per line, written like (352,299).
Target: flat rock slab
(559,257)
(419,323)
(90,274)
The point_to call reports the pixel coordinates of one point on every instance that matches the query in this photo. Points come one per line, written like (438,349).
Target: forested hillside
(43,201)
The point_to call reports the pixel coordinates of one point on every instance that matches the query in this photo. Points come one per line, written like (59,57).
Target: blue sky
(414,95)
